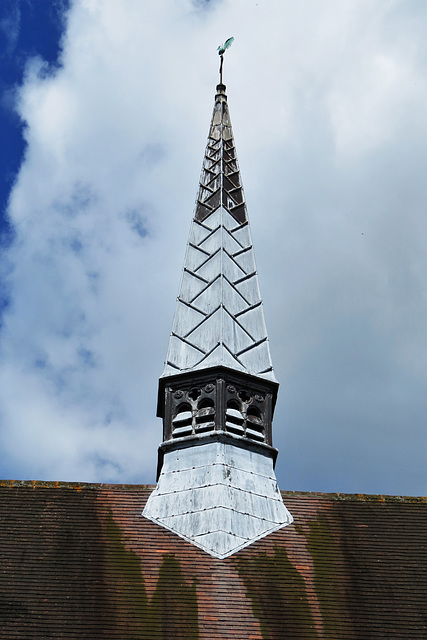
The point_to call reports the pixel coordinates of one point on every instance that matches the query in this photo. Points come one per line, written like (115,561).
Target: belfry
(216,483)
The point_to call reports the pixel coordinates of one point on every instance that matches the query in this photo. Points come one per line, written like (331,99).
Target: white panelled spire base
(219,496)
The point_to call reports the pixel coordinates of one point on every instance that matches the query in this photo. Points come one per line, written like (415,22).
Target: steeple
(219,320)
(216,483)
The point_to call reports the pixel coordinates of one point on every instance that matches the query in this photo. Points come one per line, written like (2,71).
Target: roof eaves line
(356,497)
(139,488)
(76,486)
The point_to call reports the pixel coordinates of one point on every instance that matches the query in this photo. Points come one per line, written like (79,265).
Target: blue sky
(113,101)
(27,29)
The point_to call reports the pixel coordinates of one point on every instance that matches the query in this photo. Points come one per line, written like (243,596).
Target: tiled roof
(79,561)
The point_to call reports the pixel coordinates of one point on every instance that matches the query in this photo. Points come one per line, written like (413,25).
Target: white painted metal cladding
(219,320)
(219,496)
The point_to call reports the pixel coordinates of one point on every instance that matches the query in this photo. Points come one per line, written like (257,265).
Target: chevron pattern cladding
(219,320)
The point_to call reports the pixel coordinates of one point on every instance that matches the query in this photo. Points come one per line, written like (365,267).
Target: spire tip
(221,50)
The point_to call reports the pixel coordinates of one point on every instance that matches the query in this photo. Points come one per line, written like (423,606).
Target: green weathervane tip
(221,50)
(223,47)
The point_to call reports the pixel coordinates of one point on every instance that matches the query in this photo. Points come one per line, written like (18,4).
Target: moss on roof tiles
(329,584)
(83,563)
(172,612)
(278,595)
(174,603)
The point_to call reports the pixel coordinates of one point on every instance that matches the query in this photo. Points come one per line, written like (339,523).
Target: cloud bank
(327,102)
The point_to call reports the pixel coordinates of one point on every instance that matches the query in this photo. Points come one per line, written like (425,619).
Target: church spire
(219,320)
(216,483)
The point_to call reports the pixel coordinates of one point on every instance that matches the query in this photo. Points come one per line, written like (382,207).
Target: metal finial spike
(221,50)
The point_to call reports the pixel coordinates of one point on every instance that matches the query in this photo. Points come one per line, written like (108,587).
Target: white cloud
(327,107)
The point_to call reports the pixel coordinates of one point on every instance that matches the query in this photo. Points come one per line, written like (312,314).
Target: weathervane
(221,51)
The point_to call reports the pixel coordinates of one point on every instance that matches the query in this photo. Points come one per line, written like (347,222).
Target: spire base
(217,495)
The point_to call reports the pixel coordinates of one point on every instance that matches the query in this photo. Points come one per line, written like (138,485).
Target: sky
(104,114)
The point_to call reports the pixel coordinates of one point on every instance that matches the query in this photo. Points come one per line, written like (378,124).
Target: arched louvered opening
(255,424)
(182,424)
(205,416)
(234,419)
